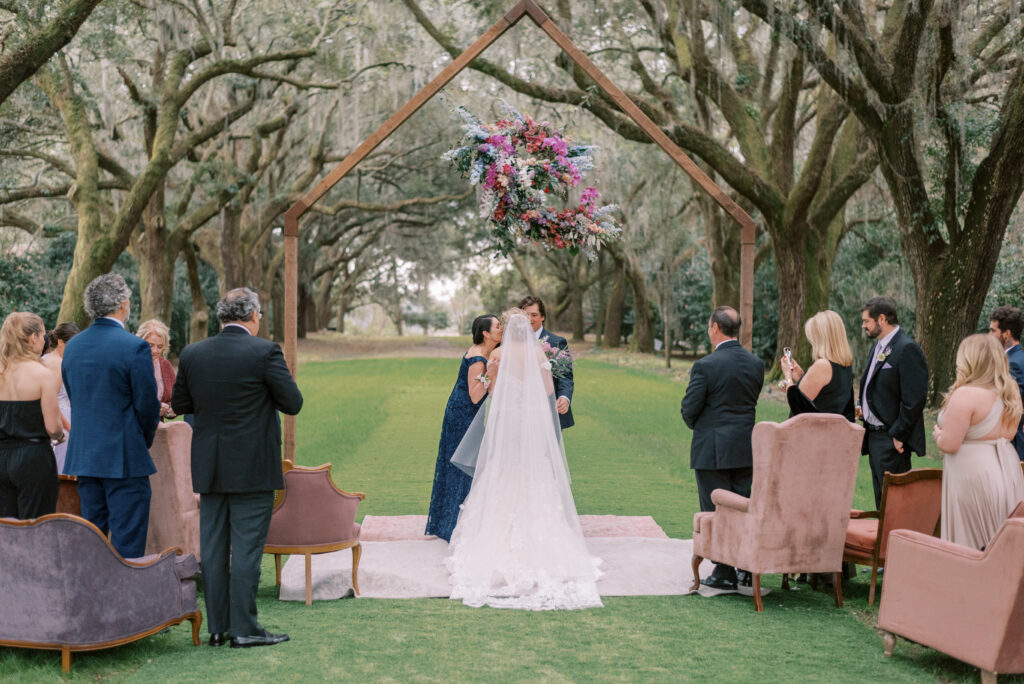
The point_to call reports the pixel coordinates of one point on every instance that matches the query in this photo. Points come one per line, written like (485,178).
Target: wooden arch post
(524,8)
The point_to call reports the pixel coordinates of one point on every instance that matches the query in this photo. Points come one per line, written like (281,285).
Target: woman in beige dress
(981,479)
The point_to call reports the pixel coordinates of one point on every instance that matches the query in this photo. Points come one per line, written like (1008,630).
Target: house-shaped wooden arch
(524,8)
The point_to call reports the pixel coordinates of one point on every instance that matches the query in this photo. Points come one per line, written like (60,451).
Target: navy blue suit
(108,373)
(563,386)
(1015,355)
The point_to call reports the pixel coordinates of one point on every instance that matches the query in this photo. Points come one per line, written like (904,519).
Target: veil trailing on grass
(518,542)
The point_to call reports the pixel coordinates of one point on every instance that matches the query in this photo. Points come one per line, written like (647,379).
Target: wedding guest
(1006,324)
(533,307)
(451,485)
(827,386)
(158,336)
(235,383)
(893,391)
(981,475)
(108,373)
(719,407)
(29,419)
(53,356)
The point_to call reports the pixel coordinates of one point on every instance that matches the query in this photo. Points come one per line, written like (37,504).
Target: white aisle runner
(652,565)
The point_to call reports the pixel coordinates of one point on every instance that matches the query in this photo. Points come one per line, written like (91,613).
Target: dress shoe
(719,583)
(744,578)
(265,639)
(218,639)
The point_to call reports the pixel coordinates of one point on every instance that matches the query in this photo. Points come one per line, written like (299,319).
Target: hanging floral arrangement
(519,165)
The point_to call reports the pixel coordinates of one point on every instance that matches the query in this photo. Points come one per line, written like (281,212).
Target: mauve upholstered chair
(910,501)
(313,516)
(174,507)
(795,519)
(965,603)
(63,587)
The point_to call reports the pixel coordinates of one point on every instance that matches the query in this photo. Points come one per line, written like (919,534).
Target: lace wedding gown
(518,542)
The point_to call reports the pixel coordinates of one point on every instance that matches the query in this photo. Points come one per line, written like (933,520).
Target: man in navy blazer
(533,307)
(108,373)
(1005,324)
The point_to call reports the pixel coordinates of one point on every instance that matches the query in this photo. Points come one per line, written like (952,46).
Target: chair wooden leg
(785,581)
(196,619)
(756,583)
(837,588)
(65,659)
(874,581)
(988,677)
(357,552)
(812,579)
(277,569)
(889,642)
(695,562)
(309,579)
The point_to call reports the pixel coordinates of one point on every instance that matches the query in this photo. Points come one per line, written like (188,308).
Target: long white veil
(518,542)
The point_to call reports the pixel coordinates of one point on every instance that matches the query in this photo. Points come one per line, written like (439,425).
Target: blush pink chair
(313,516)
(796,517)
(965,603)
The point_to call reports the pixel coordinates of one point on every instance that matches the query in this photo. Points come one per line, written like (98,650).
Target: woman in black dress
(451,485)
(29,419)
(827,386)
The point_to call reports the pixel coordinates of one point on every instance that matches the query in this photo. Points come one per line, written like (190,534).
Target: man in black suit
(235,383)
(893,391)
(1006,324)
(534,309)
(719,407)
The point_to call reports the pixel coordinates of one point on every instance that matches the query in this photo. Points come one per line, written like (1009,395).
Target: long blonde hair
(981,362)
(827,335)
(14,344)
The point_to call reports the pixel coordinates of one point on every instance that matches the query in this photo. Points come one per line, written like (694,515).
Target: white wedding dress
(518,542)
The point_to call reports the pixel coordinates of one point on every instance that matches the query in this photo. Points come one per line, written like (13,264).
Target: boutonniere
(884,354)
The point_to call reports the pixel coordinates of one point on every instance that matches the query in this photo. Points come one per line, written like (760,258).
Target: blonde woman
(827,386)
(981,480)
(158,336)
(29,419)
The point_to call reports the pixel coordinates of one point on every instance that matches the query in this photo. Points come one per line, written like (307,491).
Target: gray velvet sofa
(63,587)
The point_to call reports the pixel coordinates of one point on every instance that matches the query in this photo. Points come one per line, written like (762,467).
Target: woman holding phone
(827,385)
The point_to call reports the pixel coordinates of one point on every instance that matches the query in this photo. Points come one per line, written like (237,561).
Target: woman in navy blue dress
(451,485)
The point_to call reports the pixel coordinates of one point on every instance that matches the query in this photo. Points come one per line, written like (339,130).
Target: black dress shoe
(719,583)
(265,639)
(744,578)
(218,639)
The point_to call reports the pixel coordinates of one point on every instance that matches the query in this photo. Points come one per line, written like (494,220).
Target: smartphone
(787,353)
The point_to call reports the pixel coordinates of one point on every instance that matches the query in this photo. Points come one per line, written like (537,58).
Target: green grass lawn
(378,422)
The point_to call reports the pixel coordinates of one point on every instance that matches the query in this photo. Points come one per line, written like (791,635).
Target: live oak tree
(938,89)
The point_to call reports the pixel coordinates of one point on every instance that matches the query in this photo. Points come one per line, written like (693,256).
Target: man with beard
(893,391)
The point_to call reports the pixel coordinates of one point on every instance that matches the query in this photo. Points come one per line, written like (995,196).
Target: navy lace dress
(451,485)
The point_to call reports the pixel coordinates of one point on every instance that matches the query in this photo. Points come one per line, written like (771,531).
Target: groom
(533,307)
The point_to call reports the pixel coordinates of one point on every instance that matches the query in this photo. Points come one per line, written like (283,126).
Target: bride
(518,542)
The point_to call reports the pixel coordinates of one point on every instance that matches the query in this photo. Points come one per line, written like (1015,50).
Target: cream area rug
(400,562)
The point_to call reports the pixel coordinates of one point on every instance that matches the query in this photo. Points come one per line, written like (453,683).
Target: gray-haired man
(235,383)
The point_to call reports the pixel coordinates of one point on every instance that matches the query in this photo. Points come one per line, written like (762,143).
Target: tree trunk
(723,242)
(199,322)
(155,257)
(524,273)
(643,327)
(616,304)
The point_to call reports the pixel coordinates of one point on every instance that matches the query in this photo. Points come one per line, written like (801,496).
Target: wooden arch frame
(523,8)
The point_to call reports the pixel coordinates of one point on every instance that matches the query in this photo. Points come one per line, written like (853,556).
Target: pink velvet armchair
(966,603)
(796,517)
(313,516)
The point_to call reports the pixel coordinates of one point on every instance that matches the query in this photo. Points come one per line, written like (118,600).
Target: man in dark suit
(235,383)
(719,407)
(108,373)
(1006,324)
(534,309)
(893,391)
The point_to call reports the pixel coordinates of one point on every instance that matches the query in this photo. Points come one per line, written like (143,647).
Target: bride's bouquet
(517,163)
(560,359)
